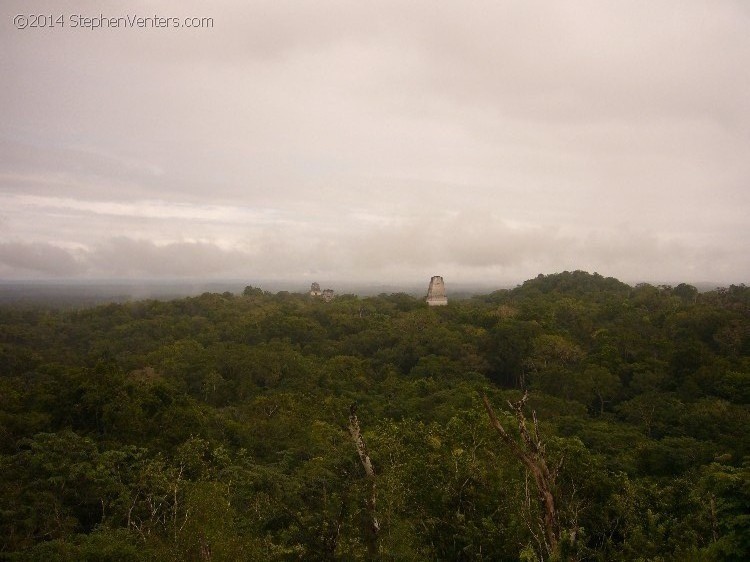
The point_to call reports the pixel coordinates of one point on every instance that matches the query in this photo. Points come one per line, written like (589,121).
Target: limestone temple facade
(326,294)
(436,292)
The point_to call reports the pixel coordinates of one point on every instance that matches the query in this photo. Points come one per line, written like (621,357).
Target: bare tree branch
(364,457)
(531,453)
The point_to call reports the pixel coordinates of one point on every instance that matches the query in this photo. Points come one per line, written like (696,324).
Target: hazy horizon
(179,287)
(321,140)
(305,283)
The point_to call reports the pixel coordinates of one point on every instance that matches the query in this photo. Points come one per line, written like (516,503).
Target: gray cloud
(128,257)
(123,257)
(298,138)
(488,250)
(29,259)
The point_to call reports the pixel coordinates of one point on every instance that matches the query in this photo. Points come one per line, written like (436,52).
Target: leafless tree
(374,527)
(530,451)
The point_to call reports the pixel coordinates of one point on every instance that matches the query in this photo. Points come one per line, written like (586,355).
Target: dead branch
(531,453)
(364,457)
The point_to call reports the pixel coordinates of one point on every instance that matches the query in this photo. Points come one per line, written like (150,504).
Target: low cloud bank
(479,248)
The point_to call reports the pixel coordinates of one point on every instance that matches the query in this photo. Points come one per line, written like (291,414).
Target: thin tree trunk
(374,527)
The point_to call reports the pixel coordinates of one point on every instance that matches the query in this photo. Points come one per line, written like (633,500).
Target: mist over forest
(77,293)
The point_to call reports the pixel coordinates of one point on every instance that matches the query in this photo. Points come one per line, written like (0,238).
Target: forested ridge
(222,427)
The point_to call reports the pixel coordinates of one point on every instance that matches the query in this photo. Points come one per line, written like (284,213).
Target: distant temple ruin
(436,292)
(326,294)
(315,290)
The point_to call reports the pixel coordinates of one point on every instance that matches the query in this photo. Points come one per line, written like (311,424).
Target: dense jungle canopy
(218,427)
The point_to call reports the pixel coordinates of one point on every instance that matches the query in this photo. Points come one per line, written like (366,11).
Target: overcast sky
(389,141)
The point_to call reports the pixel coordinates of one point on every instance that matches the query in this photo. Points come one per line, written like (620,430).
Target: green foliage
(215,427)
